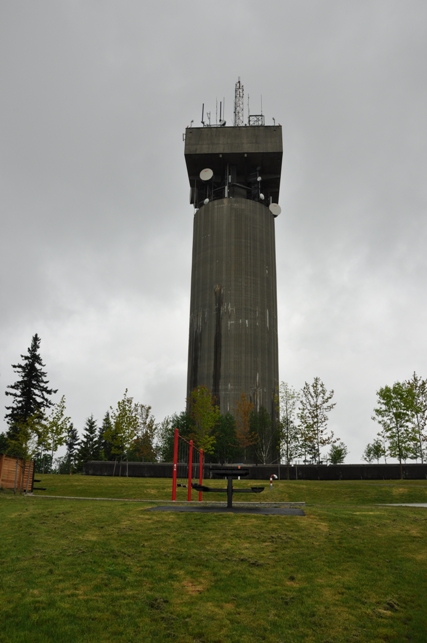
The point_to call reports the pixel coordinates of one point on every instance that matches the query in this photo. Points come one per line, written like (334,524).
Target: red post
(190,470)
(200,473)
(175,463)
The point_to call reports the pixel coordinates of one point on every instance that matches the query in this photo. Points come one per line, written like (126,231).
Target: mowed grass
(317,492)
(100,571)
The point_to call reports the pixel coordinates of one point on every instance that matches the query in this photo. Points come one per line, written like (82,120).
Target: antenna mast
(238,104)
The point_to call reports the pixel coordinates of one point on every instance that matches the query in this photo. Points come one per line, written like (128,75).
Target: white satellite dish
(206,174)
(275,209)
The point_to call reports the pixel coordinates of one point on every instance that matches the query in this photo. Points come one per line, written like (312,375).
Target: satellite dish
(206,174)
(275,209)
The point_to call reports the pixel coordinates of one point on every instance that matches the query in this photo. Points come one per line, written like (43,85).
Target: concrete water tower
(234,175)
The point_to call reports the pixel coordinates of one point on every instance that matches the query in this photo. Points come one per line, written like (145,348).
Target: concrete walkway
(406,504)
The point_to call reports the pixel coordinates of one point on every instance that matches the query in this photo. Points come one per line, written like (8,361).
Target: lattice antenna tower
(238,104)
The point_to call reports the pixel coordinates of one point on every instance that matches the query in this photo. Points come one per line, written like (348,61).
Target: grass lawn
(100,571)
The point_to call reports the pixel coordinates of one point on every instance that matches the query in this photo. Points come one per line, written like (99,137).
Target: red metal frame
(175,463)
(190,471)
(177,437)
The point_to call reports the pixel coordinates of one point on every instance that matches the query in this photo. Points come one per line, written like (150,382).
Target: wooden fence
(16,474)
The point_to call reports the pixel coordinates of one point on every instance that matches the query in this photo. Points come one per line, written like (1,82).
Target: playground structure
(185,469)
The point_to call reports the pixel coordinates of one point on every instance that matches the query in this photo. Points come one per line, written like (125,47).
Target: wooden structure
(16,474)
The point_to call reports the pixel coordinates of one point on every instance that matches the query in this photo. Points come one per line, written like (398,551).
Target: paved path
(405,504)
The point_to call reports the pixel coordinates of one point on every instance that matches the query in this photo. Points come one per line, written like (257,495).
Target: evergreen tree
(30,392)
(89,445)
(226,449)
(166,432)
(72,442)
(337,453)
(3,443)
(105,446)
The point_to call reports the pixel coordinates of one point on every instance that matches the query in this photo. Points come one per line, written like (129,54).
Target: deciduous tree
(125,424)
(144,446)
(417,390)
(56,429)
(204,415)
(374,451)
(266,436)
(393,413)
(245,436)
(314,406)
(289,434)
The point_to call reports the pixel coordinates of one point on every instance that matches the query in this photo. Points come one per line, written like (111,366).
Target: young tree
(244,434)
(57,425)
(144,446)
(289,435)
(393,413)
(204,415)
(266,437)
(337,453)
(417,390)
(24,442)
(314,406)
(89,445)
(374,451)
(30,393)
(125,423)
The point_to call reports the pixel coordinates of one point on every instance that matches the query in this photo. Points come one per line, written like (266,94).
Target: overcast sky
(96,225)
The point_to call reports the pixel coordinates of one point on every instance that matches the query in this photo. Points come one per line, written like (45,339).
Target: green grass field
(99,571)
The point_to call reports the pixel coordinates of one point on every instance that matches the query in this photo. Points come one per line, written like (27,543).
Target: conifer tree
(31,392)
(72,443)
(104,444)
(226,449)
(89,445)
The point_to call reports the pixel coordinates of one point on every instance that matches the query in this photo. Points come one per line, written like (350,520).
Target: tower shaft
(234,175)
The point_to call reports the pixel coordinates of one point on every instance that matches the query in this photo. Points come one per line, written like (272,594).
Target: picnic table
(230,472)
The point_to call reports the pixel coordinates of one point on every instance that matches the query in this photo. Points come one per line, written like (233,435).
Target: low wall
(264,471)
